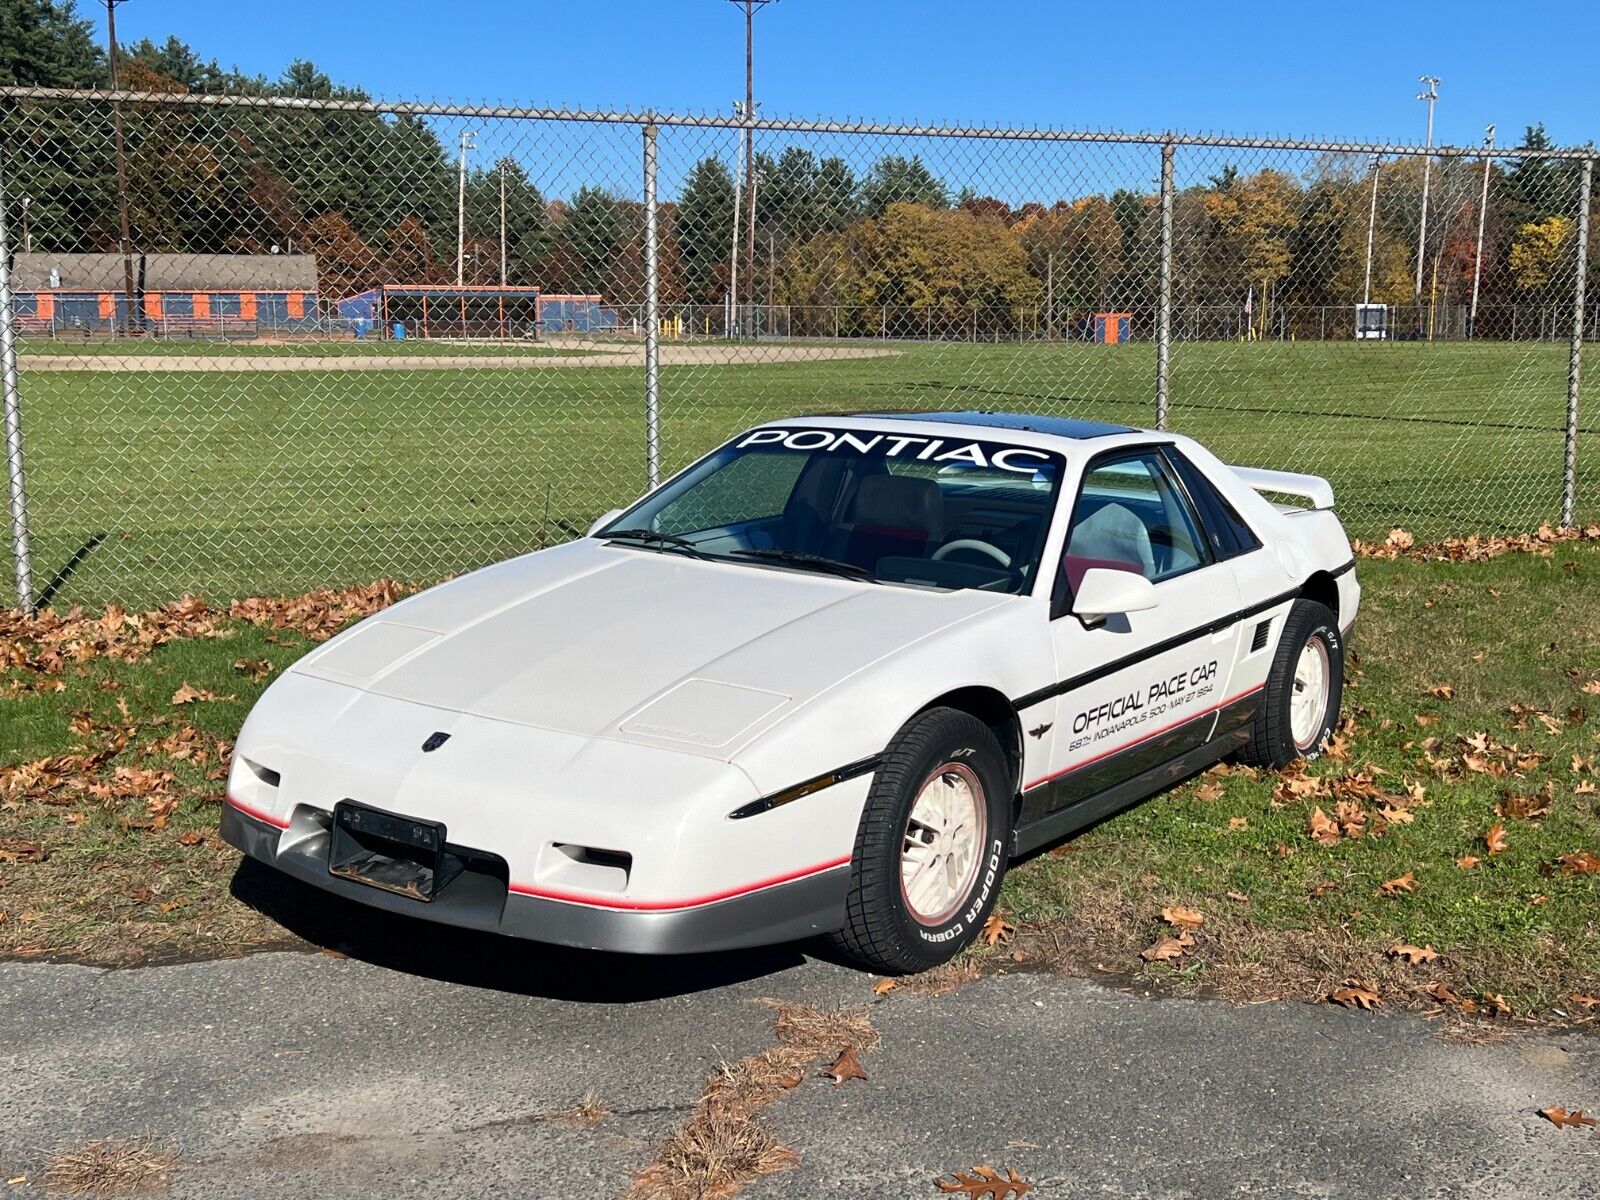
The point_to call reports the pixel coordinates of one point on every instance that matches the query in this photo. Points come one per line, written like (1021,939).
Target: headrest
(1113,532)
(901,502)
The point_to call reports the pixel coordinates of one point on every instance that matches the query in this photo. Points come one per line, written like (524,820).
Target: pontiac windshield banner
(1164,696)
(1019,459)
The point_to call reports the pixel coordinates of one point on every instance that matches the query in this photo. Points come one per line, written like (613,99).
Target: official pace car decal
(1018,459)
(1160,698)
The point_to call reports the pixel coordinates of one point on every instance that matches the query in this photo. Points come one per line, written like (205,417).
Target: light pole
(1430,97)
(124,236)
(1372,224)
(1483,208)
(461,206)
(27,233)
(749,112)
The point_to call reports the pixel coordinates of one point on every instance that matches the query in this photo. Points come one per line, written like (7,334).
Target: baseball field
(156,469)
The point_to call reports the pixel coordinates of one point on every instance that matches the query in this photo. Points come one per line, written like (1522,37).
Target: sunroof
(1055,426)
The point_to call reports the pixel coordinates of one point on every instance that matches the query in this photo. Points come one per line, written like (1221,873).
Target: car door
(1141,688)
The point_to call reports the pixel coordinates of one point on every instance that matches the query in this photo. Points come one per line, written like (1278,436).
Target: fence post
(13,408)
(1569,472)
(1164,313)
(652,331)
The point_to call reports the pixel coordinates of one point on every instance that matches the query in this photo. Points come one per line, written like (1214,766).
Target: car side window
(1225,528)
(1131,515)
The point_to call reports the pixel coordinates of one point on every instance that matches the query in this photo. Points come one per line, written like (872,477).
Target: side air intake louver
(1260,641)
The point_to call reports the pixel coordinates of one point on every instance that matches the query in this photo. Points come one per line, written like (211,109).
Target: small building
(204,295)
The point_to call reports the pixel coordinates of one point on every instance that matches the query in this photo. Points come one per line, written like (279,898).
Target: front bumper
(780,911)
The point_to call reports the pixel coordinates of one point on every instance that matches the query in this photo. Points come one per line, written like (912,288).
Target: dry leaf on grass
(14,850)
(846,1066)
(1445,995)
(1468,861)
(1353,993)
(983,1182)
(1443,692)
(996,930)
(1587,1003)
(1583,862)
(1562,1119)
(1415,955)
(1183,918)
(1399,885)
(1495,838)
(1168,948)
(1323,828)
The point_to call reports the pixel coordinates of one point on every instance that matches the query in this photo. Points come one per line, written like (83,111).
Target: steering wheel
(984,548)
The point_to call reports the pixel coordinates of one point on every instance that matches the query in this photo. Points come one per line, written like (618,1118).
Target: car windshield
(881,505)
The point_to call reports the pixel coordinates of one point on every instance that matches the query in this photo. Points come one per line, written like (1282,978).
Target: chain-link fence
(270,343)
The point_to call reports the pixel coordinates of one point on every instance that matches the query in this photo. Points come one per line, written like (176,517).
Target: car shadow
(486,960)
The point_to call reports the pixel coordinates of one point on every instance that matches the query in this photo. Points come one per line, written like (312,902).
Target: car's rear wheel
(932,845)
(1304,685)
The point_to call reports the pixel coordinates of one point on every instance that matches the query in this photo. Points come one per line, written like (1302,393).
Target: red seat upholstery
(1076,564)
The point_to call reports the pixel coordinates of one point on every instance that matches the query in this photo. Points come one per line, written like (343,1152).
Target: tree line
(373,196)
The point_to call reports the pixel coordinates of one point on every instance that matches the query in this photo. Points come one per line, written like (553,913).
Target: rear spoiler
(1315,490)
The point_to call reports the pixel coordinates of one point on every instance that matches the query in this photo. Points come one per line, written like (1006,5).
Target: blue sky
(1245,67)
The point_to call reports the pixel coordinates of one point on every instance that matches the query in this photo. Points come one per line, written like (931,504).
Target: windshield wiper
(813,561)
(655,537)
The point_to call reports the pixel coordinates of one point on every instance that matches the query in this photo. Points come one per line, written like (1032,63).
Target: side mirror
(1104,591)
(603,520)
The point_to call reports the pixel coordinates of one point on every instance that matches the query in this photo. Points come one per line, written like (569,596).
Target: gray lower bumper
(790,911)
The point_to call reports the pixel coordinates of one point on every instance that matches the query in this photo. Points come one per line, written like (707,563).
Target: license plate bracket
(394,853)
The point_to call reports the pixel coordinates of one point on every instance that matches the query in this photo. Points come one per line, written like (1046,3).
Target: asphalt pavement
(429,1064)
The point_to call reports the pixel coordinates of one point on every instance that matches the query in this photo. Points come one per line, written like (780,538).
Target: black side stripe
(816,783)
(1172,643)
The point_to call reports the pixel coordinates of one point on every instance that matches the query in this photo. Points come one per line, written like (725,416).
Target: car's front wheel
(931,849)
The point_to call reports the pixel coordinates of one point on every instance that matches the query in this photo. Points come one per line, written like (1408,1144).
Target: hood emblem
(435,740)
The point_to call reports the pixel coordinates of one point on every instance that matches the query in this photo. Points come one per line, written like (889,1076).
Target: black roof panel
(1068,427)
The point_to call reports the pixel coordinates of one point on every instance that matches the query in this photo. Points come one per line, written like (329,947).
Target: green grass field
(147,485)
(116,859)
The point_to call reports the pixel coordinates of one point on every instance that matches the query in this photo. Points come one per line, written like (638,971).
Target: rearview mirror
(603,520)
(1102,592)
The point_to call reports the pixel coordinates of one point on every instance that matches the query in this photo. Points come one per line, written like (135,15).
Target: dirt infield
(752,354)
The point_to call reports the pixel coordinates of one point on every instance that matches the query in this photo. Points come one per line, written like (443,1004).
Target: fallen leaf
(996,930)
(1495,1003)
(1398,885)
(1495,838)
(1415,955)
(1235,824)
(1323,828)
(1396,816)
(1443,692)
(189,695)
(1352,993)
(1182,918)
(1168,948)
(985,1183)
(1444,995)
(1561,1118)
(1583,862)
(14,850)
(1587,1003)
(846,1066)
(884,986)
(1208,792)
(1467,861)
(1239,897)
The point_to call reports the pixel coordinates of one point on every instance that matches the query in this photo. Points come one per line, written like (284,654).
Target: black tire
(881,930)
(1272,743)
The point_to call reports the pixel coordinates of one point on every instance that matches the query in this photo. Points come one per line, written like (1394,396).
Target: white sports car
(830,679)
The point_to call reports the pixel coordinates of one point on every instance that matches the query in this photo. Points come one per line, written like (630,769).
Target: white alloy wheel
(940,857)
(1308,703)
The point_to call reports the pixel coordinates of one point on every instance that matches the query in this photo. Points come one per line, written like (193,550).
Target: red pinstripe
(625,904)
(264,817)
(1154,733)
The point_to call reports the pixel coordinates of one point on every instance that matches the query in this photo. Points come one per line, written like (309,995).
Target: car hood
(620,642)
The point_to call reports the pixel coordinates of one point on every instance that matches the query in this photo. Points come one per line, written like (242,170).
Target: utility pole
(749,112)
(1372,224)
(461,206)
(124,236)
(1430,97)
(1483,208)
(502,222)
